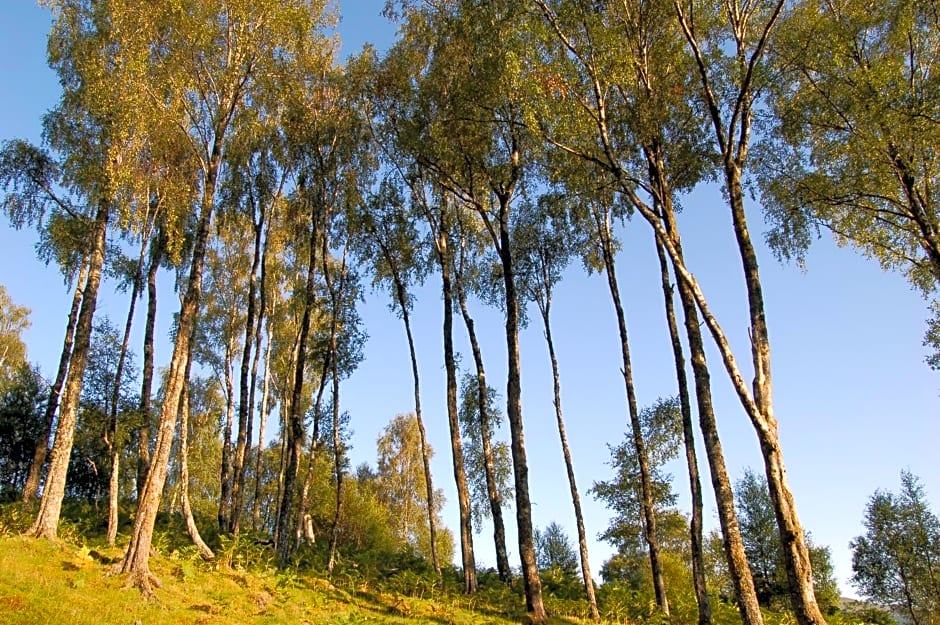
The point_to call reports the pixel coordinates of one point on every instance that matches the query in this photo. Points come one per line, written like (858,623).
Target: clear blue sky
(856,402)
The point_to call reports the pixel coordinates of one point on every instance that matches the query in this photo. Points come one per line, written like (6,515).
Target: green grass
(45,582)
(73,582)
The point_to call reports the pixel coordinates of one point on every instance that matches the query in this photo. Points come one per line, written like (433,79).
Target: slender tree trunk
(304,527)
(294,428)
(688,438)
(284,412)
(245,412)
(263,417)
(648,512)
(282,468)
(225,472)
(337,465)
(50,507)
(460,476)
(792,537)
(191,527)
(425,456)
(262,316)
(114,487)
(733,141)
(111,435)
(243,474)
(545,306)
(530,570)
(146,371)
(31,489)
(136,563)
(693,301)
(741,578)
(402,298)
(489,463)
(335,291)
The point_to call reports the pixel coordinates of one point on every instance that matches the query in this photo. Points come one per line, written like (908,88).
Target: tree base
(40,531)
(143,580)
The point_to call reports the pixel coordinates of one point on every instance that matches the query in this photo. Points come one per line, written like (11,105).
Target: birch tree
(205,70)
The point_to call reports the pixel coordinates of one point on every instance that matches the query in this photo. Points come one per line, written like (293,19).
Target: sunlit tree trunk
(520,467)
(146,371)
(425,457)
(294,428)
(136,564)
(489,465)
(111,435)
(31,489)
(545,306)
(246,390)
(688,438)
(50,507)
(792,536)
(750,38)
(284,412)
(738,567)
(335,289)
(263,418)
(401,297)
(602,225)
(191,527)
(463,491)
(337,465)
(302,523)
(225,470)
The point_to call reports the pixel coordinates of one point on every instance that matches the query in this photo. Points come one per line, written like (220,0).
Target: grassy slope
(43,582)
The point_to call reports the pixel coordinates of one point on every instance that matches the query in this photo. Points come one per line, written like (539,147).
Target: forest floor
(45,582)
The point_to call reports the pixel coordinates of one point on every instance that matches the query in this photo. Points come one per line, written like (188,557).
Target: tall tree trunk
(294,428)
(225,470)
(137,559)
(425,456)
(263,417)
(460,475)
(335,291)
(31,489)
(402,298)
(646,495)
(741,578)
(792,537)
(283,415)
(733,141)
(246,390)
(50,507)
(489,463)
(337,465)
(146,371)
(114,487)
(304,527)
(545,307)
(191,527)
(284,412)
(262,317)
(530,570)
(688,438)
(111,435)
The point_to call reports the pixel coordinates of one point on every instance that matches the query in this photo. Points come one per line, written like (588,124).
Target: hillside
(44,582)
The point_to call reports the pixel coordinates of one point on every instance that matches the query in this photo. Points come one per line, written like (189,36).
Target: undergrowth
(72,581)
